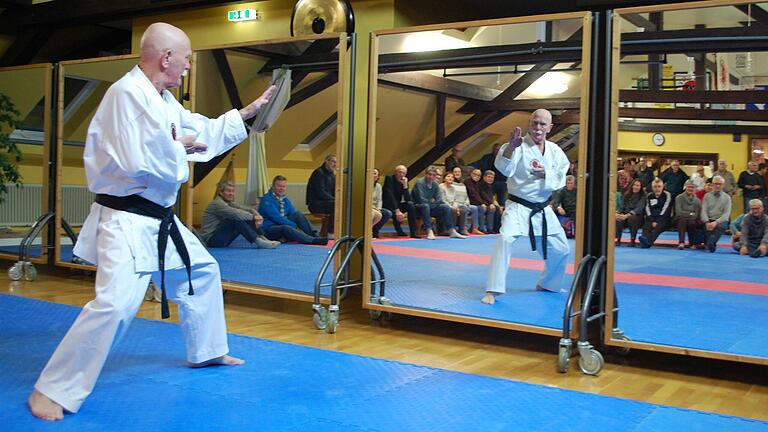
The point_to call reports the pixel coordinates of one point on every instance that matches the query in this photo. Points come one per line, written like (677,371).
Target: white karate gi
(515,221)
(130,149)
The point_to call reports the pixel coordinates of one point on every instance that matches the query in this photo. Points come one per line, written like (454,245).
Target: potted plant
(10,155)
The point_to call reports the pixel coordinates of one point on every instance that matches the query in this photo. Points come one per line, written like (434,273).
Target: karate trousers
(71,373)
(554,266)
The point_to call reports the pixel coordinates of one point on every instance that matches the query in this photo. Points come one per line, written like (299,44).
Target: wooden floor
(701,384)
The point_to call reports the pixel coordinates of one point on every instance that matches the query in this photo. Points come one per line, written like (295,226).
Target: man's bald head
(165,52)
(539,125)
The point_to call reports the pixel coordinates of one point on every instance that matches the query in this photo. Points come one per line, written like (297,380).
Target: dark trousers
(687,225)
(712,237)
(408,208)
(324,207)
(385,215)
(650,233)
(303,233)
(500,190)
(441,211)
(228,231)
(633,223)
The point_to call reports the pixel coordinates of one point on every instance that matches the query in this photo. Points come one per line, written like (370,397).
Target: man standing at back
(136,156)
(534,168)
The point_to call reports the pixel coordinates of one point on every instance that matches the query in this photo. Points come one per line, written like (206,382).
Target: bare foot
(44,408)
(224,360)
(490,298)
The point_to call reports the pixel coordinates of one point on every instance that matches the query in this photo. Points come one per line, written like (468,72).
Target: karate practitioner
(534,168)
(136,156)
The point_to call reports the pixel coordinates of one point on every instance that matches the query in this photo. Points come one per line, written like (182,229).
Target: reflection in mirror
(84,85)
(685,181)
(447,102)
(25,89)
(267,210)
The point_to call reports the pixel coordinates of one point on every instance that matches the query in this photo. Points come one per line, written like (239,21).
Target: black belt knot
(535,209)
(144,207)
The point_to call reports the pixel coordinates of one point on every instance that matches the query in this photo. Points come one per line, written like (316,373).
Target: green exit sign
(243,15)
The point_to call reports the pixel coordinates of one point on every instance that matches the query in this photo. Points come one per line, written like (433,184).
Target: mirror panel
(689,291)
(469,85)
(307,132)
(28,91)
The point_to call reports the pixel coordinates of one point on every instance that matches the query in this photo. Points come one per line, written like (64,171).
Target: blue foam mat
(286,387)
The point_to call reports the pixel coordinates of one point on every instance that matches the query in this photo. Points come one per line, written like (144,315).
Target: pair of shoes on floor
(756,253)
(711,247)
(430,234)
(265,243)
(476,231)
(644,243)
(453,234)
(681,246)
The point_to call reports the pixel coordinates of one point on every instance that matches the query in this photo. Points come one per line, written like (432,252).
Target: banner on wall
(723,74)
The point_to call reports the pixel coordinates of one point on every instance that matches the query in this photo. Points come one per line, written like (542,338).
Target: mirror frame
(46,157)
(610,264)
(586,18)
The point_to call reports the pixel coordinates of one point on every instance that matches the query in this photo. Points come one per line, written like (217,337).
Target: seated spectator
(488,188)
(630,210)
(688,214)
(564,203)
(455,160)
(715,212)
(282,220)
(321,190)
(460,191)
(224,220)
(397,199)
(699,179)
(736,228)
(483,201)
(658,213)
(488,162)
(458,209)
(754,231)
(380,214)
(623,180)
(429,202)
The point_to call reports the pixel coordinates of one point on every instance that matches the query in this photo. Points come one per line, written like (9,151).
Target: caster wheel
(563,355)
(385,316)
(320,318)
(593,364)
(30,272)
(622,350)
(16,271)
(333,322)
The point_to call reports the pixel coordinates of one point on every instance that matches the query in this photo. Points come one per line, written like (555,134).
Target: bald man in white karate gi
(136,154)
(534,168)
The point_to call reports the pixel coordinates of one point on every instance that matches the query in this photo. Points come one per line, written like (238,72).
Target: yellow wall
(720,144)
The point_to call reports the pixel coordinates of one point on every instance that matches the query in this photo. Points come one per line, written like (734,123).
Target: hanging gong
(314,17)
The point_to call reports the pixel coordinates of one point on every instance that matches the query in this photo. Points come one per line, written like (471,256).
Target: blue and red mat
(285,387)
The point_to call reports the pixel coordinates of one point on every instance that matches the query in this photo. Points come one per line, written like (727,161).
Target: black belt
(535,208)
(142,206)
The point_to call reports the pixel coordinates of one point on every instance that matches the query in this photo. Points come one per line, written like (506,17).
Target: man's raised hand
(254,107)
(515,140)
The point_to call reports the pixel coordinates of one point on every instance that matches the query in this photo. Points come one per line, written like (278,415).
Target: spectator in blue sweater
(281,219)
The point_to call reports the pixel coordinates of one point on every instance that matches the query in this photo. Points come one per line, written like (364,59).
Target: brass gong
(314,17)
